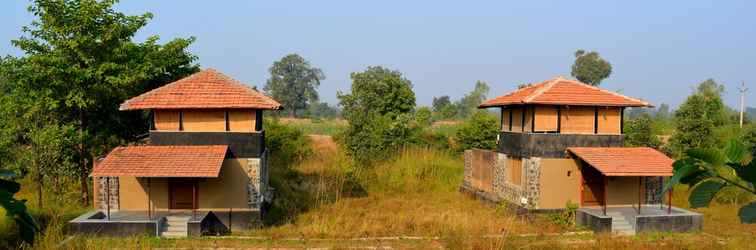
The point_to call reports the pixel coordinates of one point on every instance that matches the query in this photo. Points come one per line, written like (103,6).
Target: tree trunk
(39,184)
(82,162)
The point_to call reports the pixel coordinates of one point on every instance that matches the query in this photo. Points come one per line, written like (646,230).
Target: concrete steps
(175,227)
(620,225)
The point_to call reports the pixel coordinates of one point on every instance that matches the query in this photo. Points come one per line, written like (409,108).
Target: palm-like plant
(707,171)
(16,209)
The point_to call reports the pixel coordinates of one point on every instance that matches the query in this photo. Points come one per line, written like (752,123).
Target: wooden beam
(532,120)
(640,181)
(181,120)
(559,119)
(595,120)
(622,120)
(152,119)
(606,185)
(149,198)
(510,120)
(225,116)
(258,119)
(524,108)
(107,188)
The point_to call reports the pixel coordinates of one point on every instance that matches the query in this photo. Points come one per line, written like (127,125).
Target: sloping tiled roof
(616,161)
(560,91)
(205,89)
(163,161)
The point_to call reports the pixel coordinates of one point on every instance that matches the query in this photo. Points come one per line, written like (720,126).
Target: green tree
(708,170)
(697,117)
(749,138)
(468,105)
(638,132)
(79,58)
(294,82)
(662,113)
(479,131)
(693,128)
(423,116)
(590,68)
(443,108)
(377,111)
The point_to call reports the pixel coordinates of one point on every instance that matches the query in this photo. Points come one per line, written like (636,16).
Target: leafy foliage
(590,68)
(423,116)
(638,132)
(293,82)
(468,105)
(16,209)
(697,118)
(443,108)
(286,142)
(710,170)
(79,64)
(480,131)
(378,113)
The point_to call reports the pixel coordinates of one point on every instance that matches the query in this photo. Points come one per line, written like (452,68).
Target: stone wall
(254,191)
(103,193)
(532,180)
(525,195)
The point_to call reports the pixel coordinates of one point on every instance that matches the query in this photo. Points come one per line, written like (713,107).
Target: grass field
(411,202)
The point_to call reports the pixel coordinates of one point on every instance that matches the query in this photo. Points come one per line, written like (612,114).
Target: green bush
(479,131)
(286,142)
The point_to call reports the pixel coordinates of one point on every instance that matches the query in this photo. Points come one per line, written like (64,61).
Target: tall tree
(638,132)
(468,105)
(693,126)
(294,82)
(443,108)
(377,110)
(80,59)
(590,68)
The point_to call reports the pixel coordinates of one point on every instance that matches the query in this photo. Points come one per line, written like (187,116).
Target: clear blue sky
(659,49)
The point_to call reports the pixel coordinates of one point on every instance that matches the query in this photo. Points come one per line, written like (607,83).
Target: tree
(479,131)
(79,58)
(423,116)
(443,108)
(377,111)
(294,83)
(697,117)
(468,105)
(662,113)
(708,170)
(693,128)
(638,132)
(590,68)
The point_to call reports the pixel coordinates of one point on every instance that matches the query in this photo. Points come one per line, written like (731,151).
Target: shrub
(286,142)
(479,131)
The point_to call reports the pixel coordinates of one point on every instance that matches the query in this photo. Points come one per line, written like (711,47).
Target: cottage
(561,142)
(204,170)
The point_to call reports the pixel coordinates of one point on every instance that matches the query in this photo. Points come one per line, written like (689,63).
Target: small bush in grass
(286,142)
(566,217)
(478,132)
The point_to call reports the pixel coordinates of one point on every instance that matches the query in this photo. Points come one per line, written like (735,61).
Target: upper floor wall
(562,119)
(207,120)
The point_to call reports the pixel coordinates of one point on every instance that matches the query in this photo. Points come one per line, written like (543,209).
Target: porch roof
(163,161)
(617,161)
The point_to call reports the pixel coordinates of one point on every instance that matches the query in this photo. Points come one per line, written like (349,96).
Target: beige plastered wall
(623,190)
(205,120)
(560,182)
(229,190)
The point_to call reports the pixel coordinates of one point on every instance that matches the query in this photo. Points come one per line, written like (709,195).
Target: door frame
(601,183)
(195,193)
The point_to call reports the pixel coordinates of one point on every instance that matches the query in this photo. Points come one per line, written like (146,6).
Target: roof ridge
(151,92)
(613,93)
(249,89)
(547,85)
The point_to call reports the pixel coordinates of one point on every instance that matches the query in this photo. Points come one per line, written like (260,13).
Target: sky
(659,50)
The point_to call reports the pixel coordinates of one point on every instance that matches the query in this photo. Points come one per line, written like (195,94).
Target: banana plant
(707,171)
(16,209)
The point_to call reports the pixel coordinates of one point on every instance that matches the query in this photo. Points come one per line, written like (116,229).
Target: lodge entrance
(182,195)
(593,187)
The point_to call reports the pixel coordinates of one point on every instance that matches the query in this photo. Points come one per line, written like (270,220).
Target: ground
(411,202)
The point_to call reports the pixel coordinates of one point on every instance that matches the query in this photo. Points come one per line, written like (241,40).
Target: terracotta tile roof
(562,91)
(163,161)
(616,161)
(205,89)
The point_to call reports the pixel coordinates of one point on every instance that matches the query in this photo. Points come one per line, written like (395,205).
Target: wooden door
(182,195)
(593,187)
